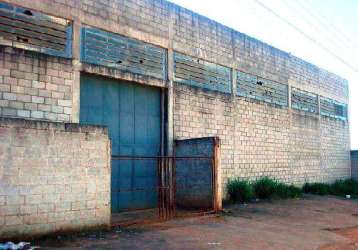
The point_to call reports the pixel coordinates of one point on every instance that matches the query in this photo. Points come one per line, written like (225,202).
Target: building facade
(153,72)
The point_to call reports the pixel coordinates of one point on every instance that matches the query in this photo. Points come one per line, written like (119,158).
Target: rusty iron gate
(180,190)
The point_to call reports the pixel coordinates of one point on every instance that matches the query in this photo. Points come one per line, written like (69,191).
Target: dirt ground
(323,223)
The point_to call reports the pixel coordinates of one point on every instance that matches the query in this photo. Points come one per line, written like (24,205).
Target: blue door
(132,114)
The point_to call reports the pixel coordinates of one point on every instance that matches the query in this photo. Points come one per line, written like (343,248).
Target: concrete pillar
(233,82)
(289,95)
(75,118)
(170,86)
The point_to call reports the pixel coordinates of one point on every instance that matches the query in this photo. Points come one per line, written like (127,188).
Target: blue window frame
(32,30)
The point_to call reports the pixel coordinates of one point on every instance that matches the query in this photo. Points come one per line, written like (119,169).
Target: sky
(323,32)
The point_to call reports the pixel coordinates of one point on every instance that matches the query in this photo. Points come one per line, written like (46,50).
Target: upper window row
(33,30)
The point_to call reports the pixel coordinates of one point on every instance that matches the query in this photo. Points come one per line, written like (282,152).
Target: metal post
(217,174)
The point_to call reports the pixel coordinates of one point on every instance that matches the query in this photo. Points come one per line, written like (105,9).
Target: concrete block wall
(354,158)
(34,86)
(51,179)
(175,28)
(258,138)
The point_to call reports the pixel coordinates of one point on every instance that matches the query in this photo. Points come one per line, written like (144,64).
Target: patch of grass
(317,188)
(344,187)
(285,192)
(265,188)
(339,188)
(240,190)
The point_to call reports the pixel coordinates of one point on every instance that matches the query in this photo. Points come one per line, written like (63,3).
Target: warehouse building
(94,92)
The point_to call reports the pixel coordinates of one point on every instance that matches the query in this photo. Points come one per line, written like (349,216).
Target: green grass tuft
(284,191)
(317,188)
(240,190)
(339,187)
(265,188)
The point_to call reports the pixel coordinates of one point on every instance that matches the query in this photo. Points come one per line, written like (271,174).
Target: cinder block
(57,95)
(9,210)
(4,103)
(4,87)
(24,83)
(58,80)
(78,205)
(66,110)
(38,85)
(8,112)
(52,72)
(57,217)
(31,76)
(25,67)
(4,72)
(23,98)
(23,113)
(51,87)
(31,91)
(16,105)
(12,80)
(34,199)
(57,109)
(46,208)
(44,107)
(63,117)
(28,209)
(37,114)
(13,220)
(45,93)
(31,106)
(50,101)
(2,197)
(37,99)
(65,103)
(9,96)
(62,206)
(40,218)
(50,116)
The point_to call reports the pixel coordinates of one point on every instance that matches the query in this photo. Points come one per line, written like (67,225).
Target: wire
(307,36)
(313,21)
(328,24)
(317,25)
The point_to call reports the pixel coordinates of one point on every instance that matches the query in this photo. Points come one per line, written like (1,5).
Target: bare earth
(324,223)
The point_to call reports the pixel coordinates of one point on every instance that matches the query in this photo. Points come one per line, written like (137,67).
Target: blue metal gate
(132,113)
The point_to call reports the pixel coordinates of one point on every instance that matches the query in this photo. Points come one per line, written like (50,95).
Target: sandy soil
(323,223)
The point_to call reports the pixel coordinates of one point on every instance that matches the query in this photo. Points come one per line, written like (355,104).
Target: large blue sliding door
(132,114)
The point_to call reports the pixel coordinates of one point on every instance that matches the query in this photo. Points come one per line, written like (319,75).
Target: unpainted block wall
(354,158)
(35,86)
(258,139)
(54,177)
(173,27)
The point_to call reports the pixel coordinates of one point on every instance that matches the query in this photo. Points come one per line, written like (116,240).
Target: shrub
(265,188)
(317,188)
(339,187)
(344,187)
(284,191)
(240,190)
